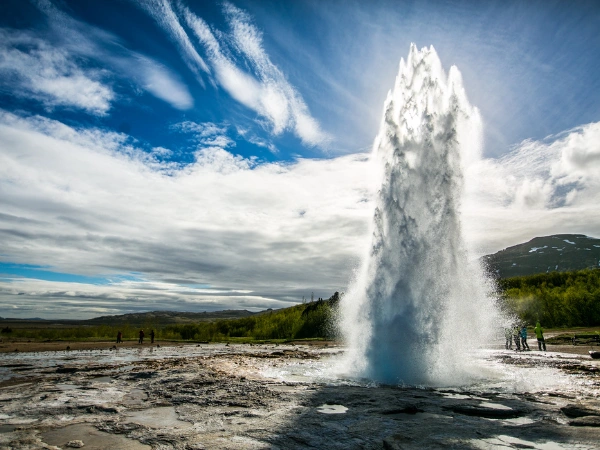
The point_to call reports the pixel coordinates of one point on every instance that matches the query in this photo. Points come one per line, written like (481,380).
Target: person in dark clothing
(119,337)
(524,338)
(141,340)
(517,337)
(152,336)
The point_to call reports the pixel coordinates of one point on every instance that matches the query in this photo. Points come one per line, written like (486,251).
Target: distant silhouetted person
(152,336)
(539,333)
(119,337)
(141,340)
(524,343)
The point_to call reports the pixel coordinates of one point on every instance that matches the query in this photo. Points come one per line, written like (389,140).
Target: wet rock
(102,409)
(141,375)
(409,409)
(396,442)
(66,370)
(586,421)
(574,411)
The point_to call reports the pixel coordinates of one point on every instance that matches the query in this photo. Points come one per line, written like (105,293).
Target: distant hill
(559,252)
(152,318)
(167,317)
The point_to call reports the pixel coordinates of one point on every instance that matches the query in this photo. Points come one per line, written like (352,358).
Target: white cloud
(541,187)
(81,41)
(252,235)
(159,81)
(208,134)
(33,68)
(162,12)
(90,202)
(265,91)
(202,130)
(281,99)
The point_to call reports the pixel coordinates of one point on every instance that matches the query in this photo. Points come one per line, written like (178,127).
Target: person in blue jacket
(523,333)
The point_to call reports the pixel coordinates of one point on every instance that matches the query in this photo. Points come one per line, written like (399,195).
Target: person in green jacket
(539,332)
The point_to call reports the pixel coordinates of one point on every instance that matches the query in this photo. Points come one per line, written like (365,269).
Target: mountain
(168,317)
(559,252)
(152,318)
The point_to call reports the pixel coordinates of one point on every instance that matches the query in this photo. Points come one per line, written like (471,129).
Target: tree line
(309,320)
(556,299)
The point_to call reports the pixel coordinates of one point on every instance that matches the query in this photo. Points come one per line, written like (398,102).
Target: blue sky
(134,131)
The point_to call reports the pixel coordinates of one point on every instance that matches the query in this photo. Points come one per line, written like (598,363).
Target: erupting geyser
(420,305)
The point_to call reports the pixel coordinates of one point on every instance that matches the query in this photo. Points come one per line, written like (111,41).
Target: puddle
(7,428)
(461,396)
(92,438)
(157,418)
(332,409)
(519,421)
(456,396)
(102,380)
(495,406)
(18,385)
(67,387)
(283,388)
(433,416)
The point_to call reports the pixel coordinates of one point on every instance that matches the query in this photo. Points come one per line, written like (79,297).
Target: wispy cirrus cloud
(56,65)
(31,67)
(266,90)
(163,13)
(241,66)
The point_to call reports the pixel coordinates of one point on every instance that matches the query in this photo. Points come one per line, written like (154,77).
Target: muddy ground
(258,397)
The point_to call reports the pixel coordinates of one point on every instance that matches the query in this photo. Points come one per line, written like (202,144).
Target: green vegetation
(556,299)
(77,333)
(310,320)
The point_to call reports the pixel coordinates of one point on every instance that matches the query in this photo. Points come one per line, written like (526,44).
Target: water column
(419,304)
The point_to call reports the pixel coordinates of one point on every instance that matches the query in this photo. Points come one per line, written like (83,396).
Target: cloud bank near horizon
(91,202)
(231,232)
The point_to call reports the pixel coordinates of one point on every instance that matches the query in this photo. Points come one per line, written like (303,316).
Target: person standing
(539,333)
(517,337)
(508,338)
(152,336)
(141,339)
(524,338)
(119,337)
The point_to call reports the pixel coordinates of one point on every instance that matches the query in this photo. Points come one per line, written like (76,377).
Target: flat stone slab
(92,438)
(587,421)
(574,411)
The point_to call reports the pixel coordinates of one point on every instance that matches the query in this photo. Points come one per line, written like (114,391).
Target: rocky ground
(256,397)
